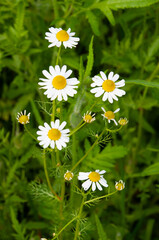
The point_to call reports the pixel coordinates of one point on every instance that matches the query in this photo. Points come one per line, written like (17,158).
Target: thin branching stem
(27,130)
(88,150)
(73,219)
(98,198)
(78,219)
(47,177)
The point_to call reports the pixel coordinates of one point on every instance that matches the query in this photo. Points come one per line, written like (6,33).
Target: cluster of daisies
(58,84)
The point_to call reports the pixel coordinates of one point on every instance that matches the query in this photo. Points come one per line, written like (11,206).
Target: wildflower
(94,179)
(57,36)
(108,86)
(57,84)
(68,175)
(23,118)
(110,115)
(88,118)
(119,185)
(54,135)
(123,121)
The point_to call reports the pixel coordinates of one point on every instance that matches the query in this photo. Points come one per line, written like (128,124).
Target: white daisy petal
(110,99)
(58,144)
(94,178)
(63,124)
(105,96)
(117,110)
(57,123)
(57,36)
(115,78)
(86,185)
(109,88)
(115,122)
(102,172)
(110,76)
(93,186)
(83,175)
(103,75)
(52,135)
(103,182)
(99,93)
(119,92)
(57,84)
(52,145)
(99,186)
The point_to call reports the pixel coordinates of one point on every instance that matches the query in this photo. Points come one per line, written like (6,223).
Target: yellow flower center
(123,121)
(108,85)
(109,115)
(119,186)
(23,119)
(62,36)
(54,134)
(87,118)
(68,176)
(59,82)
(94,176)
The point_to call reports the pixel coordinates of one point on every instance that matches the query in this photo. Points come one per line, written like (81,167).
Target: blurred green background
(126,41)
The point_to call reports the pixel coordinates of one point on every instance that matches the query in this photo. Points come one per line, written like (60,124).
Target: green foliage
(90,60)
(115,35)
(130,3)
(101,232)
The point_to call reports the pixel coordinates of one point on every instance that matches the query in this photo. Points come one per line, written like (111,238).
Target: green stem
(47,176)
(30,133)
(65,227)
(53,110)
(61,205)
(78,220)
(113,131)
(56,11)
(58,157)
(88,150)
(95,199)
(58,55)
(77,128)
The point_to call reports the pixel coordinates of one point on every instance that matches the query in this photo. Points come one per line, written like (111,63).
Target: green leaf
(81,70)
(104,8)
(153,49)
(36,112)
(93,21)
(90,59)
(151,170)
(20,231)
(130,3)
(143,83)
(101,232)
(106,158)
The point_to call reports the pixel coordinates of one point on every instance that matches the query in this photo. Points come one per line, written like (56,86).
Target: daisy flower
(119,185)
(23,118)
(94,179)
(123,121)
(54,135)
(88,118)
(108,86)
(68,176)
(110,115)
(58,84)
(57,36)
